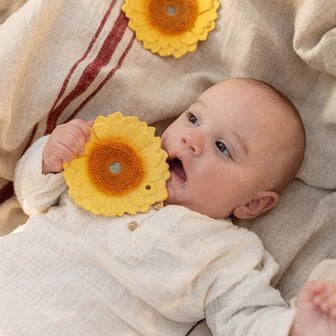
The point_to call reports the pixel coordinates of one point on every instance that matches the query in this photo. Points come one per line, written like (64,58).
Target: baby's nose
(195,142)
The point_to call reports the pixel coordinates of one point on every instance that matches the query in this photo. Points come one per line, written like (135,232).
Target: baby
(73,273)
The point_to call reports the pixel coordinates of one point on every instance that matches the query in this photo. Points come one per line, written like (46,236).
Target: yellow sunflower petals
(164,41)
(76,179)
(151,131)
(101,131)
(179,53)
(137,19)
(145,208)
(197,30)
(166,51)
(100,119)
(164,155)
(96,187)
(151,35)
(116,130)
(136,197)
(175,43)
(160,195)
(203,20)
(86,203)
(111,207)
(79,164)
(122,203)
(152,147)
(203,36)
(98,201)
(133,26)
(143,127)
(167,34)
(189,38)
(211,26)
(154,175)
(132,208)
(141,33)
(138,6)
(153,47)
(87,189)
(130,131)
(142,140)
(130,120)
(216,4)
(163,194)
(90,145)
(204,6)
(154,158)
(75,190)
(166,175)
(116,116)
(68,171)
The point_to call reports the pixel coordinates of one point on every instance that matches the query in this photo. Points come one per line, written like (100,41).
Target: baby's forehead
(255,100)
(249,88)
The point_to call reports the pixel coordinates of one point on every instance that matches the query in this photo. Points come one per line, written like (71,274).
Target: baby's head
(234,150)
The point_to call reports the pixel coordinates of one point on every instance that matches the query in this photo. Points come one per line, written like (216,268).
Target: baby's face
(219,150)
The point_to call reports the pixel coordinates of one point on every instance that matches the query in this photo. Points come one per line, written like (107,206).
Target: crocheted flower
(123,168)
(171,27)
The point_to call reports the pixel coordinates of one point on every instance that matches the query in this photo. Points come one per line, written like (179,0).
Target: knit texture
(69,272)
(65,59)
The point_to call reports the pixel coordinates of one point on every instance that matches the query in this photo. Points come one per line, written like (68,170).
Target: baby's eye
(192,118)
(222,148)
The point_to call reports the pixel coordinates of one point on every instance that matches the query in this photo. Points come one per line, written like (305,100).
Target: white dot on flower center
(171,10)
(115,167)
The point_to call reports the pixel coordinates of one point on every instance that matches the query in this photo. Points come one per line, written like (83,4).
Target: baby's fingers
(54,156)
(81,128)
(326,298)
(73,135)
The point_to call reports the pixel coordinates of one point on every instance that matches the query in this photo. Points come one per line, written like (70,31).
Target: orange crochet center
(182,20)
(107,153)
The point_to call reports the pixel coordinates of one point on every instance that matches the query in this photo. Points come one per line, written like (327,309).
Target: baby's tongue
(177,167)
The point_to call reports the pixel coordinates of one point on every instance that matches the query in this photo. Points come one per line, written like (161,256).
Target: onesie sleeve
(251,307)
(35,191)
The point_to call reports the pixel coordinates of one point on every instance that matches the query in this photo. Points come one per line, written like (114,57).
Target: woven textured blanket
(65,59)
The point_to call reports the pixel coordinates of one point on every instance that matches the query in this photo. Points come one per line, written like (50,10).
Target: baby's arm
(316,310)
(37,184)
(251,307)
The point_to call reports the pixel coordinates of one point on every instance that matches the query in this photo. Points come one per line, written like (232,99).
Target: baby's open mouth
(176,169)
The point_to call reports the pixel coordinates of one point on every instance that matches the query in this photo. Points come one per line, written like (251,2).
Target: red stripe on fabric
(92,42)
(109,75)
(91,71)
(31,138)
(6,192)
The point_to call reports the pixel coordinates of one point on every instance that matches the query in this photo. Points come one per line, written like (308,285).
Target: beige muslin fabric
(8,7)
(67,58)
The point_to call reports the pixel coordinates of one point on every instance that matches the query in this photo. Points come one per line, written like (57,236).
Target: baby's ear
(261,202)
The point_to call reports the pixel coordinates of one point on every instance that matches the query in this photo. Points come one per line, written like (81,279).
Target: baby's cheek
(171,192)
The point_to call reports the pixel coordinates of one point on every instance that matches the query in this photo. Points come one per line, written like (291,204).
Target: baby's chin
(171,195)
(176,198)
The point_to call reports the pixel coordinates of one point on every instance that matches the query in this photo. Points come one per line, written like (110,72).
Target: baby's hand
(64,143)
(316,310)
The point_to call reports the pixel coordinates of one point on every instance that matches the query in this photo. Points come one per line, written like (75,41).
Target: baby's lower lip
(177,170)
(179,179)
